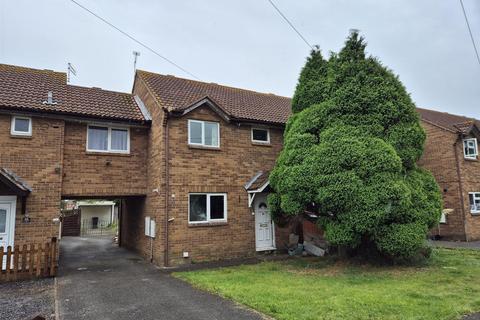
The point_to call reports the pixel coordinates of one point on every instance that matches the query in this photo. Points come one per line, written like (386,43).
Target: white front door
(264,232)
(7,222)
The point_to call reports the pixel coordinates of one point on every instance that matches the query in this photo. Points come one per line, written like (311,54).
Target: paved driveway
(98,280)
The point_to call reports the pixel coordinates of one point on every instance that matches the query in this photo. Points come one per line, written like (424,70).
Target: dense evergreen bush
(350,153)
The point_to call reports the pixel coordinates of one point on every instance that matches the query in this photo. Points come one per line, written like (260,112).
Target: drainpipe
(460,183)
(167,190)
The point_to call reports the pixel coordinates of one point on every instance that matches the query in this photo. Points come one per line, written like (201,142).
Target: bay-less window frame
(475,146)
(28,133)
(261,141)
(209,195)
(475,196)
(109,139)
(202,144)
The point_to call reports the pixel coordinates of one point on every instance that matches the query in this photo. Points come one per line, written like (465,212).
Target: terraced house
(188,160)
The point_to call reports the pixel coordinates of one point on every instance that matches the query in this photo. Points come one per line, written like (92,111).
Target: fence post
(31,258)
(16,252)
(46,262)
(9,261)
(24,258)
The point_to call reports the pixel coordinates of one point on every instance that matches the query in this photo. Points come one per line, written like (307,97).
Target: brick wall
(225,170)
(103,174)
(200,170)
(35,159)
(470,170)
(154,206)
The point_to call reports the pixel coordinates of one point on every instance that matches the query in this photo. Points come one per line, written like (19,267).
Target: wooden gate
(71,224)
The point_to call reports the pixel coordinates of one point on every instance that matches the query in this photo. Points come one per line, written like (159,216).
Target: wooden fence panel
(29,261)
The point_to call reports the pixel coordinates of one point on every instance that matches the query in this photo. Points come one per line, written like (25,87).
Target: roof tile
(26,89)
(178,93)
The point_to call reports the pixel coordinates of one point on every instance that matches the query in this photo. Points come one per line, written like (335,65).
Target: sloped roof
(26,89)
(257,181)
(177,94)
(452,122)
(14,182)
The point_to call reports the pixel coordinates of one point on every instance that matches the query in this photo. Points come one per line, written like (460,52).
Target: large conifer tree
(350,153)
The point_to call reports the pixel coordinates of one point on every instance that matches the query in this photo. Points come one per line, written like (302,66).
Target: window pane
(22,125)
(97,138)
(195,129)
(198,207)
(217,207)
(119,139)
(260,135)
(211,134)
(3,220)
(470,147)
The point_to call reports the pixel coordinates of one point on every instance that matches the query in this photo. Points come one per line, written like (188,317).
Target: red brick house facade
(190,158)
(44,154)
(451,154)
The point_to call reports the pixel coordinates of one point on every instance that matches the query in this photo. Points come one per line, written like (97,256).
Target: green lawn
(447,287)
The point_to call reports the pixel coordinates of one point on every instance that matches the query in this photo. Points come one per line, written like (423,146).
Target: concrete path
(98,280)
(475,245)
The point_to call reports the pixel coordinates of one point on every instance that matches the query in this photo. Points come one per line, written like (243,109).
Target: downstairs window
(474,202)
(207,207)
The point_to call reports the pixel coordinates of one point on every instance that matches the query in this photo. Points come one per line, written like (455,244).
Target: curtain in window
(119,139)
(198,207)
(211,134)
(195,132)
(22,125)
(97,138)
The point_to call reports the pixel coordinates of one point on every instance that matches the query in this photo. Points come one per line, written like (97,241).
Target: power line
(291,24)
(135,40)
(470,31)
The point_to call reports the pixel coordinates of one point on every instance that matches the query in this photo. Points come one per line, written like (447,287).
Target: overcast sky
(245,43)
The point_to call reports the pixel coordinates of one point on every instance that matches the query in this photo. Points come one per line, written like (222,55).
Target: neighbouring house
(451,154)
(188,160)
(61,141)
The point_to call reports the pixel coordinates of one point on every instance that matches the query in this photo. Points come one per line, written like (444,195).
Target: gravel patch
(474,316)
(24,300)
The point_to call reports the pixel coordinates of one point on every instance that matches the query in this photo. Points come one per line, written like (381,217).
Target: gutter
(460,183)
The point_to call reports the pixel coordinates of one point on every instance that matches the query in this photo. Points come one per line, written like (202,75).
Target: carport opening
(91,218)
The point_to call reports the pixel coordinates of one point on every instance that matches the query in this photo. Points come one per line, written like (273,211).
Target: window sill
(261,144)
(207,224)
(111,154)
(192,146)
(20,136)
(475,213)
(471,159)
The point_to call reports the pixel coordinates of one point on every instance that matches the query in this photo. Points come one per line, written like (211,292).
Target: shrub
(350,153)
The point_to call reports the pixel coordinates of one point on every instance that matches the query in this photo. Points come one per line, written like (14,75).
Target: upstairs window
(203,133)
(108,139)
(470,148)
(474,202)
(260,135)
(21,126)
(207,207)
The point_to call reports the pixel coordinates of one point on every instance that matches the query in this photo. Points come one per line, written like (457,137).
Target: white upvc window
(108,139)
(470,148)
(203,133)
(474,202)
(21,126)
(260,135)
(207,207)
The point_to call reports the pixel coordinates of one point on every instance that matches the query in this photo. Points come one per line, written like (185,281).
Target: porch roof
(14,183)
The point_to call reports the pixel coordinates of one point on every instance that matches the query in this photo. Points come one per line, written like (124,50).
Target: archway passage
(100,217)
